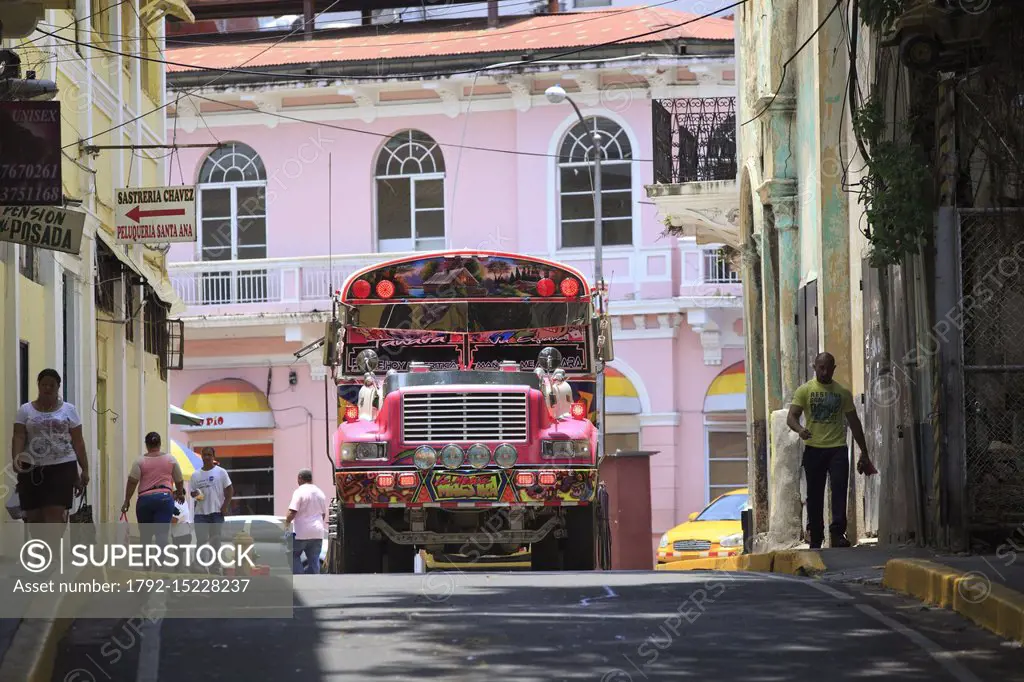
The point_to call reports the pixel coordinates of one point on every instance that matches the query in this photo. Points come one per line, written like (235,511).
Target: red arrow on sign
(136,213)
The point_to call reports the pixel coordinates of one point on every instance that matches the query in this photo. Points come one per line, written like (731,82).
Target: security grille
(467,416)
(992,251)
(691,545)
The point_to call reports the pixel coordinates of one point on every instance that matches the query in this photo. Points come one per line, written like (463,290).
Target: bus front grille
(464,417)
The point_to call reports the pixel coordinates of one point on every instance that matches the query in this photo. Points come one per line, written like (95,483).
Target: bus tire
(544,555)
(359,552)
(400,558)
(579,550)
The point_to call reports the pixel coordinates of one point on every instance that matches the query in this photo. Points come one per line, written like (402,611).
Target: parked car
(269,533)
(714,532)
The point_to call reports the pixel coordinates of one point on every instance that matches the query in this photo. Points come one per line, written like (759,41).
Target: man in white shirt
(211,491)
(308,511)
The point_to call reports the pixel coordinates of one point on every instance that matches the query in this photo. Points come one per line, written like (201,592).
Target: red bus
(464,435)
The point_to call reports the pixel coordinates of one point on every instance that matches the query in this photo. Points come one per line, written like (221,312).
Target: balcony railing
(694,139)
(266,280)
(718,270)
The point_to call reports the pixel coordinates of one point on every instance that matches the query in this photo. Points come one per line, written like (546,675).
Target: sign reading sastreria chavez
(155,215)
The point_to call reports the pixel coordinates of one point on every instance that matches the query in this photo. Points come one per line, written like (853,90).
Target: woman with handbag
(154,474)
(49,455)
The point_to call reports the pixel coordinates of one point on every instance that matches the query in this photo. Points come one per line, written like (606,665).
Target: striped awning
(230,404)
(620,395)
(728,392)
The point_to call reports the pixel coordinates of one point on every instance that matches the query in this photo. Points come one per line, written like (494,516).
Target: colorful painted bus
(467,427)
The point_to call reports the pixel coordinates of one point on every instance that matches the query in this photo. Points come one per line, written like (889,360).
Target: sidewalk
(8,626)
(987,589)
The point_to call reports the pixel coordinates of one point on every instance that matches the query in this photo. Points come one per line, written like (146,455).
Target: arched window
(410,194)
(575,170)
(233,225)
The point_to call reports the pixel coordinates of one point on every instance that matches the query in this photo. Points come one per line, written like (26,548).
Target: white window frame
(411,243)
(559,165)
(720,426)
(233,187)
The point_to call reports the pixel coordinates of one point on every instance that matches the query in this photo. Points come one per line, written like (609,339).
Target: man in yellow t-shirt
(828,407)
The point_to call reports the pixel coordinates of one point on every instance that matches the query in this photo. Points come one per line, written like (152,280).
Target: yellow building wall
(109,471)
(135,446)
(33,329)
(157,401)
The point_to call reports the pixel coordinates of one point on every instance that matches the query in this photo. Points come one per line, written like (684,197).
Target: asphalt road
(610,627)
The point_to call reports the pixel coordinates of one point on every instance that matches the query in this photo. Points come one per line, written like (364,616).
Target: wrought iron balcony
(694,139)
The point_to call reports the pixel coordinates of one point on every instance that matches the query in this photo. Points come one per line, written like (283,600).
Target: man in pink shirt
(308,511)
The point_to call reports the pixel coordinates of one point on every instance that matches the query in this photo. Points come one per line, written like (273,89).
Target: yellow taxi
(714,532)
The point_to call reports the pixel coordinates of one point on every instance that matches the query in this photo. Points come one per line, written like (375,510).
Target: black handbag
(83,531)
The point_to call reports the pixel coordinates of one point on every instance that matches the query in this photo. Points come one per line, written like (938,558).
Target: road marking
(944,658)
(812,582)
(149,652)
(609,594)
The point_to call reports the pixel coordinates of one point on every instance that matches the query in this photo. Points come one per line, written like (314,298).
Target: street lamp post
(556,95)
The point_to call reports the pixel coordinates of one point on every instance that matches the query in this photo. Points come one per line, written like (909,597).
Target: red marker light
(385,288)
(570,288)
(407,480)
(578,410)
(385,480)
(361,288)
(547,478)
(524,479)
(351,413)
(546,287)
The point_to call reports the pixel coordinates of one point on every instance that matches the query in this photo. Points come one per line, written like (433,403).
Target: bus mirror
(367,361)
(605,340)
(549,359)
(332,341)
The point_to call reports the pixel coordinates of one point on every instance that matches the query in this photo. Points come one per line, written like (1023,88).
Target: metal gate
(992,313)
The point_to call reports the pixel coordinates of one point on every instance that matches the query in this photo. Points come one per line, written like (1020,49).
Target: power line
(192,43)
(296,119)
(168,103)
(319,77)
(790,60)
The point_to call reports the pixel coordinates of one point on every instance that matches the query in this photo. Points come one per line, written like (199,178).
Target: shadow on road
(615,627)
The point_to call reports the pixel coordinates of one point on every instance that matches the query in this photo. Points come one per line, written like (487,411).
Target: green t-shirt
(825,407)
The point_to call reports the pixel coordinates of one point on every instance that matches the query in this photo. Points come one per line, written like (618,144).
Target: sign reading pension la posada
(43,227)
(30,159)
(155,215)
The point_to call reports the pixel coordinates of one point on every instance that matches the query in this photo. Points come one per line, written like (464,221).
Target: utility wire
(168,103)
(320,77)
(192,43)
(790,60)
(296,119)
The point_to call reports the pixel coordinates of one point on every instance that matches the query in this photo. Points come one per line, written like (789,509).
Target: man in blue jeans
(212,491)
(308,510)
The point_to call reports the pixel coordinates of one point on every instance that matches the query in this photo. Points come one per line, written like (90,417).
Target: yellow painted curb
(994,607)
(791,562)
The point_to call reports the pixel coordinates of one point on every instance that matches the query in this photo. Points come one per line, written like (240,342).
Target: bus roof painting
(465,275)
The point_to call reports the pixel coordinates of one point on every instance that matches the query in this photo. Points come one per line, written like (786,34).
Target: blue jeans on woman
(154,513)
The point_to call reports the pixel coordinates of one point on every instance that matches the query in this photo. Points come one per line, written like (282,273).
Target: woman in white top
(49,453)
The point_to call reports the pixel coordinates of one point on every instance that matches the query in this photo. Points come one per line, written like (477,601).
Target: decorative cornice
(589,83)
(775,103)
(522,91)
(710,334)
(707,211)
(266,104)
(449,96)
(365,99)
(660,419)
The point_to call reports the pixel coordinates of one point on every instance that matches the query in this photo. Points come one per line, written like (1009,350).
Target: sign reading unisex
(30,160)
(56,229)
(156,215)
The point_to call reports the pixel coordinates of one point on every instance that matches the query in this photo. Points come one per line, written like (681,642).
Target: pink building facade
(306,180)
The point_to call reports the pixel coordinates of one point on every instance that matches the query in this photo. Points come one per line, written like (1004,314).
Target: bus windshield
(469,317)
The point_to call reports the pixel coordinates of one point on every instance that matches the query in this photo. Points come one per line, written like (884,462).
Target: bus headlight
(564,448)
(351,452)
(505,456)
(425,457)
(479,456)
(452,456)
